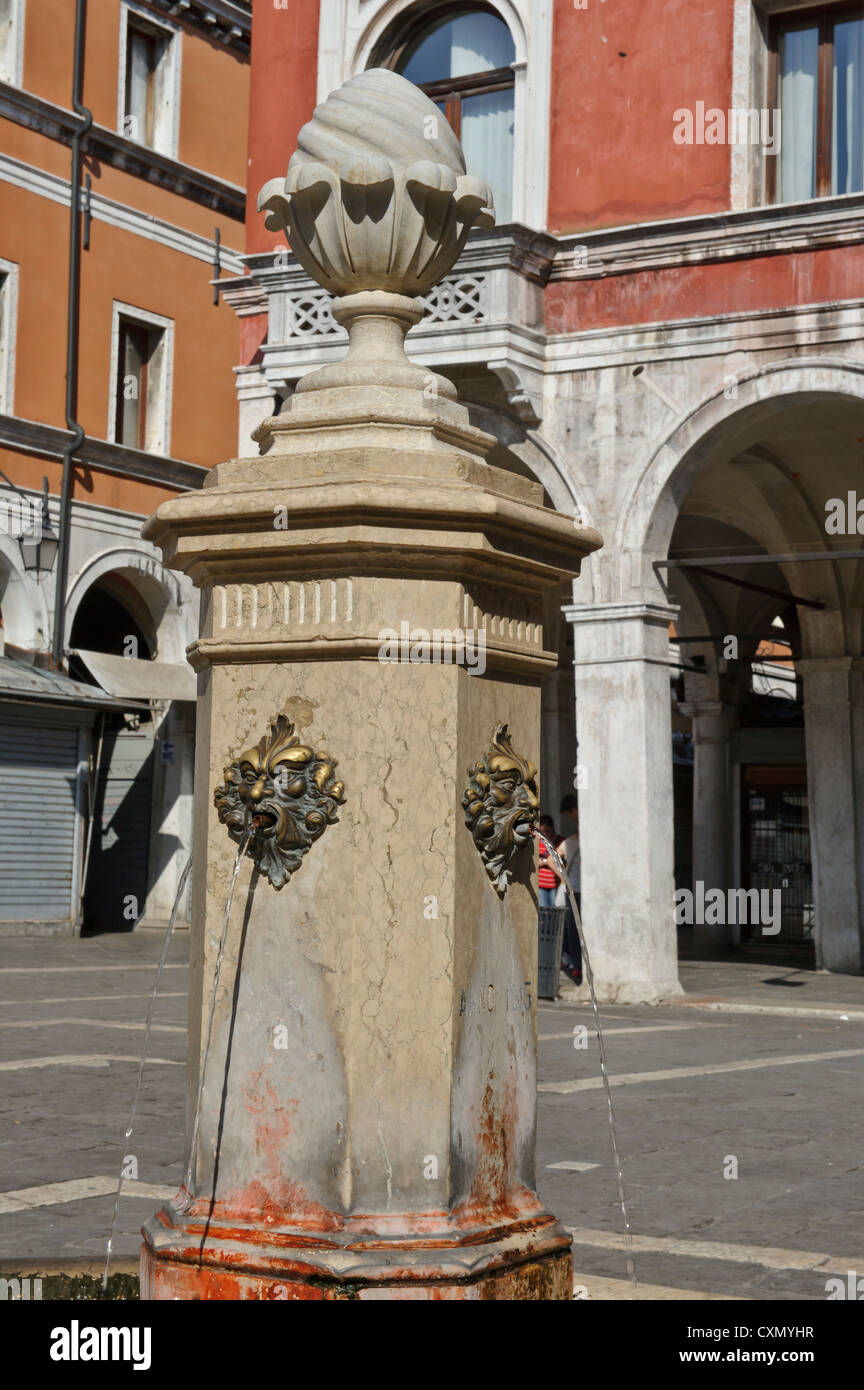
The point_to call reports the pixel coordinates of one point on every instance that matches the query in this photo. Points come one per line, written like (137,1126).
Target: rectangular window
(145,51)
(11,40)
(141,385)
(818,83)
(149,82)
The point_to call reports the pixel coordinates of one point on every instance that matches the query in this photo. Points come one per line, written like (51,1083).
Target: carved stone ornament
(376,196)
(501,805)
(285,792)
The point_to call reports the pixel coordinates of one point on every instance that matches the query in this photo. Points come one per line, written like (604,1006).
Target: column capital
(622,612)
(610,633)
(699,709)
(827,680)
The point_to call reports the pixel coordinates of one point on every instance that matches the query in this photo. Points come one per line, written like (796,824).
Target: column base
(528,1261)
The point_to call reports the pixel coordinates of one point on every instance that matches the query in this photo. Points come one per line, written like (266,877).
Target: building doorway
(775,850)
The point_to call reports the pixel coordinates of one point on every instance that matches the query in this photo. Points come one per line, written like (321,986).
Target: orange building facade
(155,97)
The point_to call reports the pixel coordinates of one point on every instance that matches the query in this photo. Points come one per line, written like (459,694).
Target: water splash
(196,1122)
(145,1044)
(604,1066)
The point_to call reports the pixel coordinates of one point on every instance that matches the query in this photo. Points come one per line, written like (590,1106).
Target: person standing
(568,850)
(547,879)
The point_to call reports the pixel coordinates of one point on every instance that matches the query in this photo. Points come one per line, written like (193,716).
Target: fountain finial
(377,206)
(377,196)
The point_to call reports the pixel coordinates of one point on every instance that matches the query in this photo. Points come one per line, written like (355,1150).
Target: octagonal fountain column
(370,661)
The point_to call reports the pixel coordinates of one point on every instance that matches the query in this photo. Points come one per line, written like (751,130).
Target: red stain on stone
(270,1195)
(496,1193)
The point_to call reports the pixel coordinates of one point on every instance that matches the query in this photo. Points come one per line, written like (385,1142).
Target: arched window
(463,60)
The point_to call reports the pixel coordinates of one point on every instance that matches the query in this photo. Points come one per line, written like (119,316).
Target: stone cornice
(706,335)
(58,123)
(128,219)
(229,21)
(245,295)
(766,231)
(48,441)
(209,651)
(544,258)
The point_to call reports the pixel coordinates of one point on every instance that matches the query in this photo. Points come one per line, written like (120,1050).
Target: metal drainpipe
(72,317)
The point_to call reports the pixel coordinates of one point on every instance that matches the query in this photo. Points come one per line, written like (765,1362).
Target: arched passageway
(724,535)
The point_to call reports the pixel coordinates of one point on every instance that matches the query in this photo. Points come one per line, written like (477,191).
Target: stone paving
(753,1070)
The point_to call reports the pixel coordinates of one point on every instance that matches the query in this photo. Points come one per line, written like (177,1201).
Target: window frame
(8,334)
(14,72)
(361,33)
(167,130)
(144,319)
(826,17)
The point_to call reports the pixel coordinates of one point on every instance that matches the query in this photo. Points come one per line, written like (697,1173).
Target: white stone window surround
(8,333)
(750,50)
(350,29)
(12,41)
(147,319)
(168,126)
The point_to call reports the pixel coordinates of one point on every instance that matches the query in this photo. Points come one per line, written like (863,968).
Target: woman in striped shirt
(547,879)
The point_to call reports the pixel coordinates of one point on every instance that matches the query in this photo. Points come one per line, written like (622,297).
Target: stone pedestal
(368,1117)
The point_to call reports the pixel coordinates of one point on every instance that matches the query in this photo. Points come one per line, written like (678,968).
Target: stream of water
(604,1067)
(146,1043)
(187,1181)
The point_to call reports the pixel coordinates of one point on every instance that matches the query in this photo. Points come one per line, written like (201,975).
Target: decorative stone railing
(458,299)
(488,312)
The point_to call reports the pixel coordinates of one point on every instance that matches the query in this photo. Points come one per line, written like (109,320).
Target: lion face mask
(284,792)
(501,805)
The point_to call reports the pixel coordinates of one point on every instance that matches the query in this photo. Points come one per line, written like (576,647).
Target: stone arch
(390,13)
(22,600)
(537,455)
(653,505)
(157,588)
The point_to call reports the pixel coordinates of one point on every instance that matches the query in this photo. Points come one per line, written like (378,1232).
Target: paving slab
(793,1129)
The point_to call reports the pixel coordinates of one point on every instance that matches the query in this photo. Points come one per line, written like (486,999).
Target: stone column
(368,1114)
(856,687)
(711,808)
(833,715)
(626,825)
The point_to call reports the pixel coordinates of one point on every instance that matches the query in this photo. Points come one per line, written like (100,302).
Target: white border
(350,29)
(151,320)
(174,33)
(9,331)
(15,77)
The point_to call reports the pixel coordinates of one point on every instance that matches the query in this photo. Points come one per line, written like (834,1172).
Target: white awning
(129,679)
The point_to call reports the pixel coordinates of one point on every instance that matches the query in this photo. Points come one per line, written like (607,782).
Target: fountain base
(527,1260)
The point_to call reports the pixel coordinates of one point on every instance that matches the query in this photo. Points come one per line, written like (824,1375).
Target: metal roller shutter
(116,889)
(38,821)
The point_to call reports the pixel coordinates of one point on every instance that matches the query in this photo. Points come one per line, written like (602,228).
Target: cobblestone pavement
(737,1108)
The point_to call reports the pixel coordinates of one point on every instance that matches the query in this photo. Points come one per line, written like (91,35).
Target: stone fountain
(367,1117)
